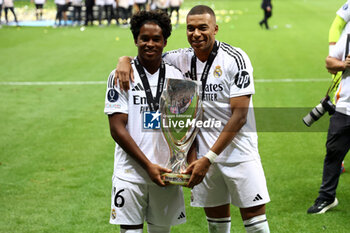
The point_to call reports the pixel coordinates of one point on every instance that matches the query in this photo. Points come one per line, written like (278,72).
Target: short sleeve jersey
(149,140)
(230,75)
(342,95)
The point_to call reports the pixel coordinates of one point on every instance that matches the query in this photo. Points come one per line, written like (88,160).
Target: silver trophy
(180,108)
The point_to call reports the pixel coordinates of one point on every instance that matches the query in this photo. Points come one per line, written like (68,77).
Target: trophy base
(176,178)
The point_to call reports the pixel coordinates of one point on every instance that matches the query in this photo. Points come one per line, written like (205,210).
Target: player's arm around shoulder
(179,58)
(124,72)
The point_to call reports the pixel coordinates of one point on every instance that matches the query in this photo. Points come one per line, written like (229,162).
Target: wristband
(211,156)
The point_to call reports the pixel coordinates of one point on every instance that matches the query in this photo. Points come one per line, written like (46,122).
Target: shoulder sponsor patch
(112,95)
(242,79)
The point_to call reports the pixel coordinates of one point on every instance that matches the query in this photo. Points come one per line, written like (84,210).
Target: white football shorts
(241,184)
(134,203)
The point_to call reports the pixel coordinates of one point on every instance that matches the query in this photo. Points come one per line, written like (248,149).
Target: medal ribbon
(153,103)
(206,69)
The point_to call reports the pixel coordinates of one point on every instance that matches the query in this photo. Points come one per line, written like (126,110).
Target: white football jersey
(77,2)
(109,2)
(123,3)
(8,3)
(230,75)
(100,2)
(60,2)
(175,3)
(141,1)
(342,95)
(39,1)
(162,4)
(143,126)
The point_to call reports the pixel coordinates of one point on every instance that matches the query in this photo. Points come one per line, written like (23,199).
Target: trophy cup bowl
(180,109)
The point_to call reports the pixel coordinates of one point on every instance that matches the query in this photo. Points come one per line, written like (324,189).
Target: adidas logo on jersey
(182,215)
(138,87)
(257,198)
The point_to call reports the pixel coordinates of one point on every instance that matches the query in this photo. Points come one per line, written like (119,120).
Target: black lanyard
(153,103)
(206,69)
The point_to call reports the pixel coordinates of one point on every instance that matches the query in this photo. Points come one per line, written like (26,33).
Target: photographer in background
(339,23)
(338,138)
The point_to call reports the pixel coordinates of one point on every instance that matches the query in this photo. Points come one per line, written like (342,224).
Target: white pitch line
(52,83)
(287,80)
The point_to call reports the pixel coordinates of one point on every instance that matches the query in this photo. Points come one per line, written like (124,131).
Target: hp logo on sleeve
(242,79)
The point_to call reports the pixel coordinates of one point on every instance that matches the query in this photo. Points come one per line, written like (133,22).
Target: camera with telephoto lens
(325,106)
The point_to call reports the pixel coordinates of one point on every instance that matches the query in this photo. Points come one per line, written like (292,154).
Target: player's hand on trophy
(155,171)
(197,169)
(123,73)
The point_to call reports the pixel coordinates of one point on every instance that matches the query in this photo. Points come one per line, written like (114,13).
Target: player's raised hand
(155,171)
(197,169)
(124,73)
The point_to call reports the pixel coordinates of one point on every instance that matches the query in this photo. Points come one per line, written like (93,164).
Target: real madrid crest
(217,72)
(113,214)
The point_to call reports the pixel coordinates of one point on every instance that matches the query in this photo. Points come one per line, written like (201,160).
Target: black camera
(325,106)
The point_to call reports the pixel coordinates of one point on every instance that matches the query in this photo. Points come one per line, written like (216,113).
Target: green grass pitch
(56,154)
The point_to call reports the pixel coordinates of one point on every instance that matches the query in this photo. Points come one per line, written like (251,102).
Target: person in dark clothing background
(89,4)
(267,7)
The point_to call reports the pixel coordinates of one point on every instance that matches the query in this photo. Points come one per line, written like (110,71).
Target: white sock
(219,225)
(122,230)
(257,224)
(157,229)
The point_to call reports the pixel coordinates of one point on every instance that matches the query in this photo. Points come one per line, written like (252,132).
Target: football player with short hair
(139,193)
(228,169)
